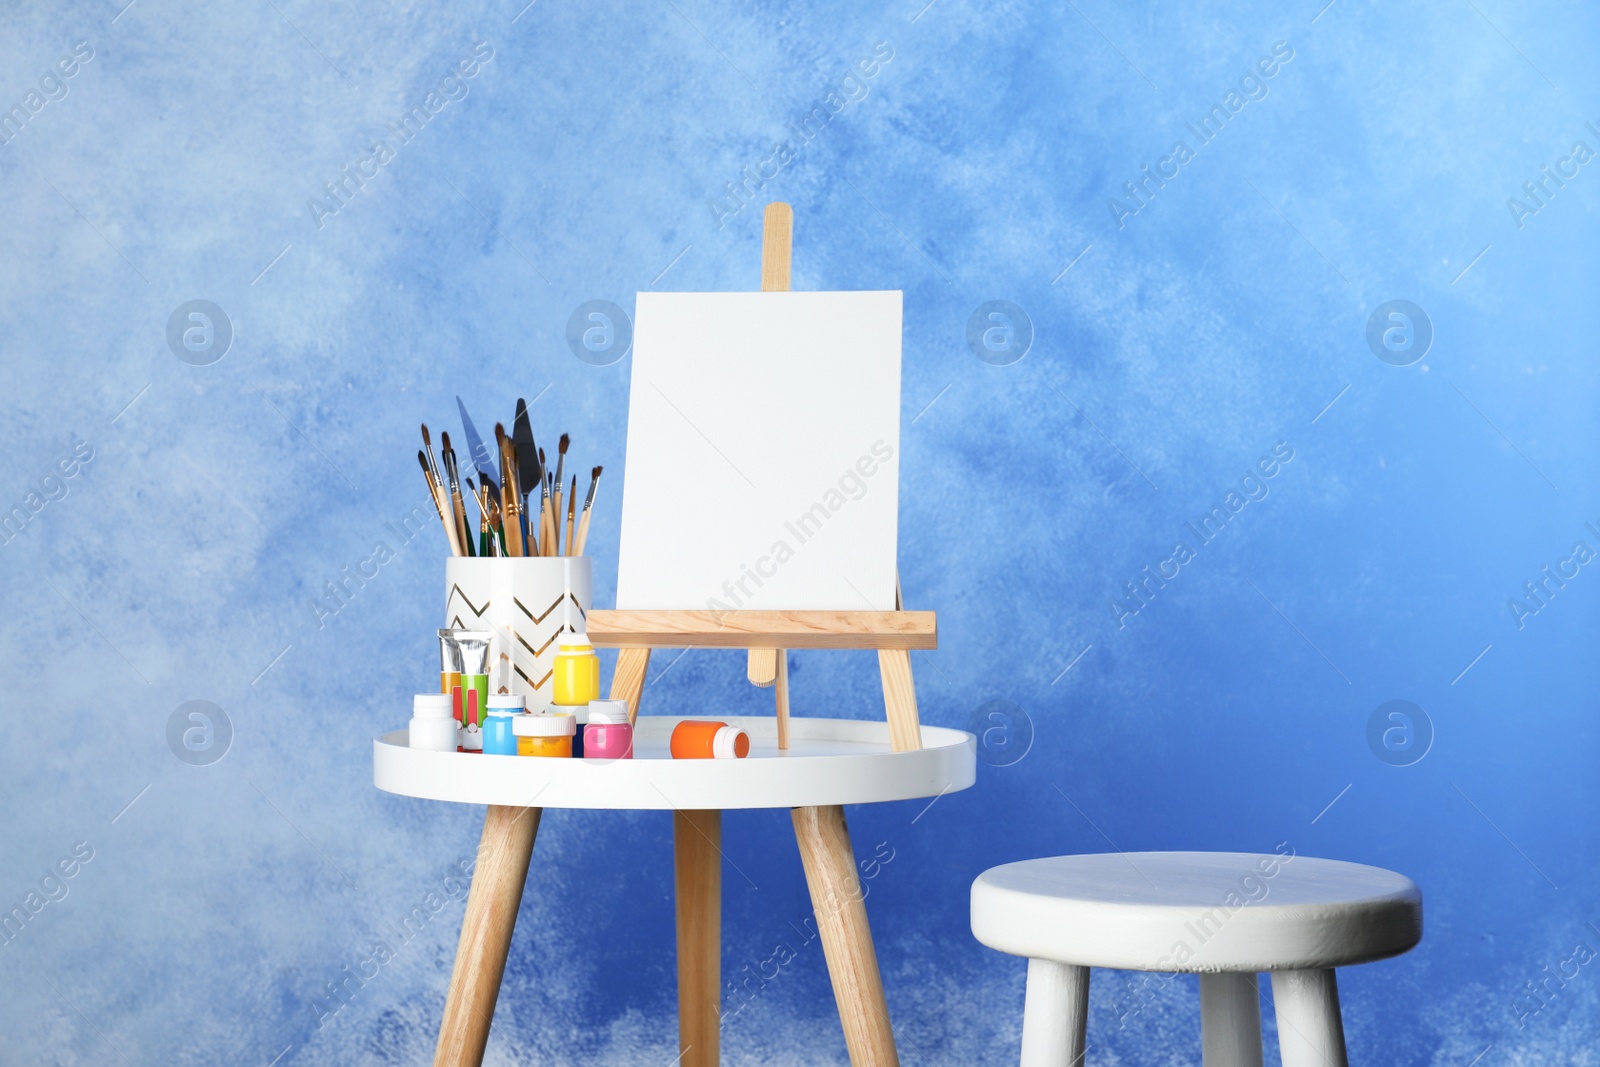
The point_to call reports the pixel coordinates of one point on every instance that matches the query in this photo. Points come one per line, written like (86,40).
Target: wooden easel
(770,634)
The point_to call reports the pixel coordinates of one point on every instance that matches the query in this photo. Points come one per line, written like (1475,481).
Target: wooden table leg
(697,862)
(497,880)
(841,913)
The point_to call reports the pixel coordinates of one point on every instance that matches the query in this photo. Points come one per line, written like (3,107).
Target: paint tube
(464,673)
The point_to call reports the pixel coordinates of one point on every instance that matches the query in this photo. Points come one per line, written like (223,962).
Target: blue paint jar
(498,737)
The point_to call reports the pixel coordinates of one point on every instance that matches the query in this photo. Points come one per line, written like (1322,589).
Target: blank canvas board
(763,462)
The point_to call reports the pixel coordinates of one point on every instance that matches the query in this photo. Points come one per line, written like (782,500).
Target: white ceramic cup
(527,601)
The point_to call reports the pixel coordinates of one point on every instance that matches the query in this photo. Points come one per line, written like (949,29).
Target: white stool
(1223,915)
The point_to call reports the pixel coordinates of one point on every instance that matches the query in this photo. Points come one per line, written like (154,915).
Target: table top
(829,761)
(1196,911)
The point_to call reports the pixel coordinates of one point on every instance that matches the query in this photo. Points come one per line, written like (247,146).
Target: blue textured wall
(1179,335)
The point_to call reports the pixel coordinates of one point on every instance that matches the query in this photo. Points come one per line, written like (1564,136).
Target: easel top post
(777,253)
(777,247)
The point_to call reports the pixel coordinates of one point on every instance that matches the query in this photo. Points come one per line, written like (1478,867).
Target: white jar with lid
(433,723)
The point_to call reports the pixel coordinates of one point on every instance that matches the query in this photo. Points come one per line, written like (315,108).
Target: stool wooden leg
(1310,1032)
(1230,1020)
(497,880)
(846,938)
(1055,1015)
(697,861)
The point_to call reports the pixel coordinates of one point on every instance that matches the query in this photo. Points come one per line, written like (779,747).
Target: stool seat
(1199,912)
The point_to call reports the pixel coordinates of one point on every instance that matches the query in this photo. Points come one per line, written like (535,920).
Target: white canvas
(763,454)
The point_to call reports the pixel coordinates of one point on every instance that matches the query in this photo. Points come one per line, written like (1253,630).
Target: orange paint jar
(698,739)
(544,735)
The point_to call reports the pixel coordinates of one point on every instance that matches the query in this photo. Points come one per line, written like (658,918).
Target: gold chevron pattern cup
(527,602)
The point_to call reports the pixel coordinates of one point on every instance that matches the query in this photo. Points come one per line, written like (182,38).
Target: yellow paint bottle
(577,671)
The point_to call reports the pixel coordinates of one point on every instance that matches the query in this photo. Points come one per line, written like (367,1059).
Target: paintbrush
(561,463)
(555,516)
(427,455)
(545,535)
(433,486)
(496,527)
(491,521)
(572,508)
(509,501)
(458,507)
(529,471)
(479,494)
(438,502)
(588,505)
(511,496)
(485,538)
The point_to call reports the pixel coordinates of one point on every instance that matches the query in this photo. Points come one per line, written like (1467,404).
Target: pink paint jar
(608,734)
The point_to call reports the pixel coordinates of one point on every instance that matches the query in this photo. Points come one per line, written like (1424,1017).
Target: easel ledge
(907,630)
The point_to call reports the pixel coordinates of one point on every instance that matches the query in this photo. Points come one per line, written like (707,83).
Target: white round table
(829,763)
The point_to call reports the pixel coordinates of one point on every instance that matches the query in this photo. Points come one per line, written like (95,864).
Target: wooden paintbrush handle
(555,544)
(583,534)
(529,532)
(508,499)
(448,518)
(510,506)
(459,508)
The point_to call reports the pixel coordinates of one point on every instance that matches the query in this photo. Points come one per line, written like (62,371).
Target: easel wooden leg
(697,861)
(761,667)
(497,880)
(900,699)
(627,683)
(782,688)
(846,938)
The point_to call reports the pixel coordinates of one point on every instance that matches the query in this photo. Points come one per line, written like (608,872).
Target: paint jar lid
(730,742)
(433,706)
(608,712)
(509,701)
(573,640)
(544,725)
